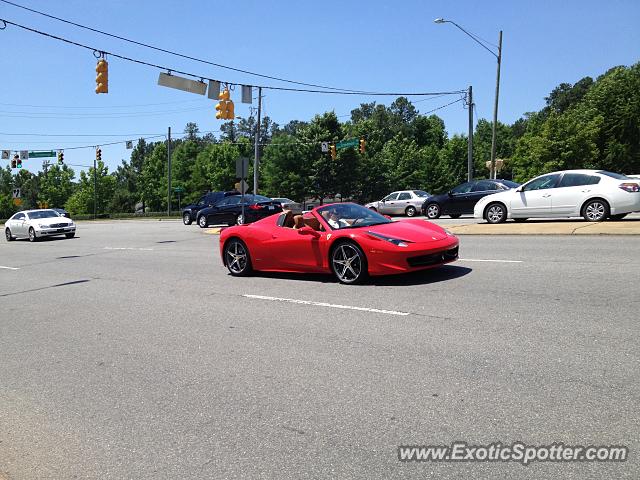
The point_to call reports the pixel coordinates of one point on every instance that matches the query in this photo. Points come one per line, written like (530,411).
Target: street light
(492,173)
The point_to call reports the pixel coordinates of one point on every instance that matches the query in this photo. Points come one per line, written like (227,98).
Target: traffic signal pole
(256,159)
(470,141)
(169,172)
(95,187)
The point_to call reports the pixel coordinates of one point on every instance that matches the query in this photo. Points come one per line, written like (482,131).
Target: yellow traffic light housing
(221,107)
(14,161)
(332,149)
(102,77)
(362,145)
(225,107)
(98,154)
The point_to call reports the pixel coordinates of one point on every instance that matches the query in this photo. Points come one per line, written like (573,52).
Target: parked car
(190,212)
(404,202)
(36,224)
(345,239)
(288,204)
(461,199)
(593,194)
(62,212)
(229,210)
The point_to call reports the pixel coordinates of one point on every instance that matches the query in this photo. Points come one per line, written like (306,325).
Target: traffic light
(60,157)
(102,79)
(225,106)
(362,145)
(98,155)
(14,162)
(332,149)
(19,163)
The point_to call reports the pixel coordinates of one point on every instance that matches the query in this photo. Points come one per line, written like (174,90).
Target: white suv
(593,194)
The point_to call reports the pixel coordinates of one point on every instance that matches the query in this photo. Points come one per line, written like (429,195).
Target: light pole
(492,173)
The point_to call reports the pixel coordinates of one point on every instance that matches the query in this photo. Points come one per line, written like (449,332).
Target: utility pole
(495,111)
(169,172)
(470,141)
(256,159)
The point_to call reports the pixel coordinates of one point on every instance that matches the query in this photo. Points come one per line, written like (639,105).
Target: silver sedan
(404,202)
(35,224)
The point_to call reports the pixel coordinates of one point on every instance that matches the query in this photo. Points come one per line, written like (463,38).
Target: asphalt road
(129,352)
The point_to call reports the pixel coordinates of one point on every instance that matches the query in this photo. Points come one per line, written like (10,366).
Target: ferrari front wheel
(236,257)
(349,263)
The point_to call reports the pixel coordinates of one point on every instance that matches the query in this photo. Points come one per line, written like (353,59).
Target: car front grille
(58,225)
(433,258)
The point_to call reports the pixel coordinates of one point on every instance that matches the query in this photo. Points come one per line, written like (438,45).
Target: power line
(203,77)
(97,106)
(76,134)
(179,54)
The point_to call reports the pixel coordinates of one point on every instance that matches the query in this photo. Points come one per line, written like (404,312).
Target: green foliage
(83,199)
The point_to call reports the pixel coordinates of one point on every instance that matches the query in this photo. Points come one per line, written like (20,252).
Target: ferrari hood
(411,230)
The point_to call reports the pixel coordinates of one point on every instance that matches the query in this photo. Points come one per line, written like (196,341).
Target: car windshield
(617,176)
(422,193)
(43,214)
(350,215)
(509,183)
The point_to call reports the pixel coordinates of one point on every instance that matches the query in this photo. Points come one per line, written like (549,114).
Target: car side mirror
(383,200)
(519,189)
(308,231)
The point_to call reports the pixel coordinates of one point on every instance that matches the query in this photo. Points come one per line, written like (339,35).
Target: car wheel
(618,217)
(240,219)
(349,263)
(595,210)
(32,235)
(495,213)
(433,211)
(7,234)
(236,257)
(410,211)
(455,215)
(186,218)
(202,221)
(519,220)
(70,235)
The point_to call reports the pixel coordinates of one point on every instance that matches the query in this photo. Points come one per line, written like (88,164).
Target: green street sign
(178,189)
(347,143)
(42,154)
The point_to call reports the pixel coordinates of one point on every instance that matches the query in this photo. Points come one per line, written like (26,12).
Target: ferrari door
(291,250)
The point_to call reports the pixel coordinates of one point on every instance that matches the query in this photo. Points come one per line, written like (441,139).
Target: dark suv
(190,212)
(463,198)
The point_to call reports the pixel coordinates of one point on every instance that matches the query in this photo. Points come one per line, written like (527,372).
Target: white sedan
(593,194)
(35,224)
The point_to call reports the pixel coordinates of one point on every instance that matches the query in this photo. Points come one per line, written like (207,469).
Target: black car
(229,210)
(463,198)
(190,212)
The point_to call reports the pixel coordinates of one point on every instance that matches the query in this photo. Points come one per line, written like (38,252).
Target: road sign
(178,189)
(348,143)
(24,155)
(16,193)
(6,154)
(50,153)
(185,84)
(242,186)
(325,147)
(242,167)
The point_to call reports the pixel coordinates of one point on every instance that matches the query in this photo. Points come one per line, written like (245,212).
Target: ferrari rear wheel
(236,257)
(349,263)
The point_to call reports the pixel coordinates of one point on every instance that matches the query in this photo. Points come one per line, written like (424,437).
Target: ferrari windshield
(350,215)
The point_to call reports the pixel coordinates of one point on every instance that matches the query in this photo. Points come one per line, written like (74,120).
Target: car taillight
(255,207)
(630,187)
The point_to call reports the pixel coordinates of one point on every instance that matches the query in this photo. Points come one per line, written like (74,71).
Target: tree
(56,185)
(83,199)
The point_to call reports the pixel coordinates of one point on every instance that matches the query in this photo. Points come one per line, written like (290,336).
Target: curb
(630,227)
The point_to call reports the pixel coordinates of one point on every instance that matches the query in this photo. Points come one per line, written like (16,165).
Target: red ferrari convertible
(345,239)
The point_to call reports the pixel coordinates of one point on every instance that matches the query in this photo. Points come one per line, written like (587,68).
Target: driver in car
(333,219)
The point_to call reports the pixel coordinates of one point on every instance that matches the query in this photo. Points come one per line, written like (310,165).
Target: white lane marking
(127,248)
(481,260)
(330,305)
(9,268)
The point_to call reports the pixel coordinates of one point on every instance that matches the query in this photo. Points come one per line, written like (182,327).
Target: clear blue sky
(48,86)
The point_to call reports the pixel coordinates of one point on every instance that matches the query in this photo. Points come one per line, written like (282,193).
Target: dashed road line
(128,248)
(329,305)
(9,268)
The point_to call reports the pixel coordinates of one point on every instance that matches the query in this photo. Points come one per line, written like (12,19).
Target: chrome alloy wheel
(496,214)
(433,211)
(595,211)
(347,263)
(236,257)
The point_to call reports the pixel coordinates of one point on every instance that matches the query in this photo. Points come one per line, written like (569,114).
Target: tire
(620,216)
(32,235)
(455,215)
(70,235)
(237,259)
(8,236)
(433,211)
(349,263)
(495,213)
(410,211)
(202,221)
(240,219)
(520,220)
(186,218)
(595,210)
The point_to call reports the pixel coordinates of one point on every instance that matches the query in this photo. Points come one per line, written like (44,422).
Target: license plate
(270,207)
(60,230)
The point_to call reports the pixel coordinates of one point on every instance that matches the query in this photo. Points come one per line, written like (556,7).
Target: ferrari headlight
(395,241)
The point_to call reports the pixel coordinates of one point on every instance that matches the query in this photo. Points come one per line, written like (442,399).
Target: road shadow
(424,277)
